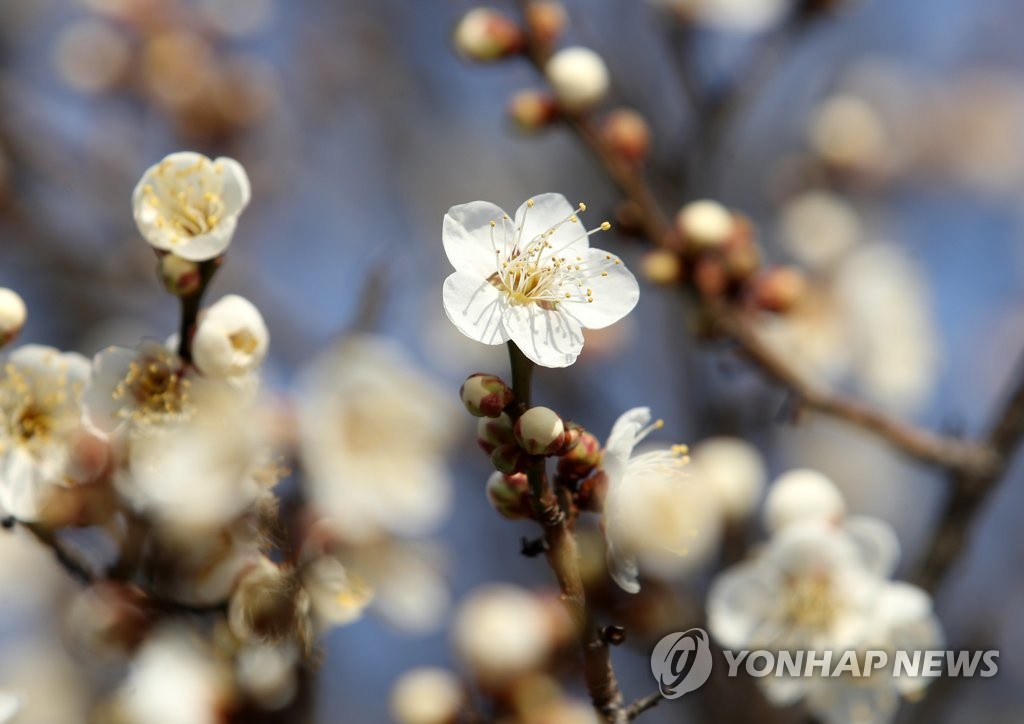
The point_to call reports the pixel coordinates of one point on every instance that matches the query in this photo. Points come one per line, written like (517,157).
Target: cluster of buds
(715,250)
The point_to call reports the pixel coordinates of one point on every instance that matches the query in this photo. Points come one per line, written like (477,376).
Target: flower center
(31,424)
(243,341)
(156,388)
(533,271)
(188,207)
(808,602)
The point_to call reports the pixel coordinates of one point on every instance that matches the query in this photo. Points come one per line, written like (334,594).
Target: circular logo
(681,662)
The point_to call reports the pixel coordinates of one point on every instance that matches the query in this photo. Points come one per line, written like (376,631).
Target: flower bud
(741,255)
(579,78)
(12,315)
(540,431)
(573,434)
(662,266)
(485,35)
(547,20)
(181,277)
(509,459)
(801,495)
(427,696)
(532,110)
(485,395)
(704,225)
(269,605)
(231,338)
(579,462)
(780,289)
(509,495)
(494,432)
(626,132)
(710,277)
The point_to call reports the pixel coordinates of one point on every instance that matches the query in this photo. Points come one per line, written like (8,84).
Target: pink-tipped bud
(532,110)
(626,132)
(547,20)
(540,431)
(573,435)
(493,432)
(704,225)
(509,459)
(181,277)
(486,35)
(579,462)
(509,495)
(780,289)
(485,395)
(12,315)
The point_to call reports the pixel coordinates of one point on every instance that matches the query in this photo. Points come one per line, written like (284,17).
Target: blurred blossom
(653,510)
(533,279)
(13,314)
(189,205)
(869,320)
(248,89)
(801,495)
(373,432)
(734,471)
(847,132)
(174,679)
(412,593)
(92,56)
(33,673)
(818,228)
(501,632)
(579,78)
(267,674)
(735,16)
(338,596)
(177,66)
(10,705)
(40,412)
(427,696)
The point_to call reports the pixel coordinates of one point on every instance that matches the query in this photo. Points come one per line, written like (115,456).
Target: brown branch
(641,705)
(563,558)
(930,447)
(971,490)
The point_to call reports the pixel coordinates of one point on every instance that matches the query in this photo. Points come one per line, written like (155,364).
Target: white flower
(801,495)
(501,631)
(427,696)
(373,431)
(818,228)
(12,315)
(652,510)
(189,205)
(810,588)
(40,414)
(174,679)
(735,472)
(579,77)
(231,338)
(533,279)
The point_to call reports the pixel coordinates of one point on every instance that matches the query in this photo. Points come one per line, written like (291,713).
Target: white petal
(22,488)
(614,295)
(207,246)
(467,236)
(475,307)
(877,542)
(740,603)
(236,191)
(623,569)
(110,366)
(623,438)
(548,337)
(548,211)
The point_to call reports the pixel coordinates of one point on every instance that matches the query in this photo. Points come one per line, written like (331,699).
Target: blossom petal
(623,438)
(209,245)
(101,404)
(548,337)
(547,212)
(877,543)
(614,295)
(740,602)
(467,236)
(475,307)
(623,569)
(236,191)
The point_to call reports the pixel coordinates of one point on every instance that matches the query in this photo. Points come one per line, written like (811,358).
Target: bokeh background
(360,126)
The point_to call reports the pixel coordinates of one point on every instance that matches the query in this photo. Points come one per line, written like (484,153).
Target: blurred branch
(971,490)
(641,705)
(947,452)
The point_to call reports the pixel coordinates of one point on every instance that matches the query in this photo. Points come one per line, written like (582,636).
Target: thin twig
(642,704)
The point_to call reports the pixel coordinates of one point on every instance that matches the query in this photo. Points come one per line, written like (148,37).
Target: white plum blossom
(800,495)
(189,205)
(653,510)
(735,472)
(174,679)
(427,696)
(532,279)
(231,338)
(40,417)
(373,430)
